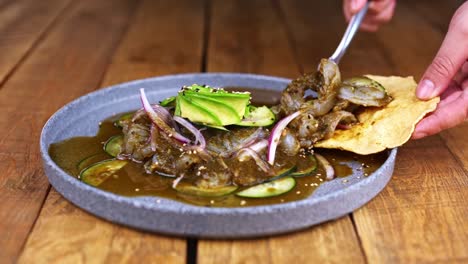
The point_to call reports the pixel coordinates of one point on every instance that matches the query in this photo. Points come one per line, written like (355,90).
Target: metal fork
(353,26)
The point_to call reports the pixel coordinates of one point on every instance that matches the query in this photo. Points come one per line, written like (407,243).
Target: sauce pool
(133,181)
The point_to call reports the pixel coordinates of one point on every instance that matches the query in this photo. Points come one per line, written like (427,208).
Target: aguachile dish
(214,147)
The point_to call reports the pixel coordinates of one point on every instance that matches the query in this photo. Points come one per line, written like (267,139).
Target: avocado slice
(218,108)
(236,100)
(258,116)
(226,114)
(195,112)
(224,108)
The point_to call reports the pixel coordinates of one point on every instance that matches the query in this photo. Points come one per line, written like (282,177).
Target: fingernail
(425,89)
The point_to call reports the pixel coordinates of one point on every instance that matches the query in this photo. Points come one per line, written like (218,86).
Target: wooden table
(57,50)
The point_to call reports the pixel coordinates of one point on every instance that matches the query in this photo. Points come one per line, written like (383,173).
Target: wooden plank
(22,23)
(410,41)
(332,242)
(455,138)
(248,37)
(167,43)
(437,13)
(67,63)
(316,29)
(421,216)
(266,50)
(66,233)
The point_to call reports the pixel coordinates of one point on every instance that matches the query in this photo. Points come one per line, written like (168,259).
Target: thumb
(451,56)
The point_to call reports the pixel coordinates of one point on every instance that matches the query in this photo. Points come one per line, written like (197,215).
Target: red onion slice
(165,116)
(276,134)
(158,121)
(199,138)
(257,147)
(152,137)
(329,171)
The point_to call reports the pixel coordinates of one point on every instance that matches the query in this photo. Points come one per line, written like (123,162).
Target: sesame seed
(344,181)
(158,201)
(298,192)
(137,190)
(212,202)
(243,202)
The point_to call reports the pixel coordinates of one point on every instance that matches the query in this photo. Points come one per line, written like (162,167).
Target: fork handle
(353,26)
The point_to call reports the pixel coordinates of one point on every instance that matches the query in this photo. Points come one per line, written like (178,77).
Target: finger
(372,23)
(382,15)
(378,6)
(450,57)
(451,94)
(351,7)
(379,13)
(445,116)
(462,74)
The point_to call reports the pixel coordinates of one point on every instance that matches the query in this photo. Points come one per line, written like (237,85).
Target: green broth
(133,181)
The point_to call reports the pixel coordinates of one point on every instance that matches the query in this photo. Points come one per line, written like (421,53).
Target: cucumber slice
(91,160)
(99,172)
(258,116)
(113,145)
(283,172)
(190,189)
(123,118)
(305,166)
(269,189)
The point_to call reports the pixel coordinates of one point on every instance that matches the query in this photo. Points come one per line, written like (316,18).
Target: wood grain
(152,46)
(22,23)
(421,216)
(316,29)
(438,13)
(247,36)
(455,138)
(65,64)
(267,51)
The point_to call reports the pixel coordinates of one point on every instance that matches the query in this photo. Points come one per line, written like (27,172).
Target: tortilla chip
(385,127)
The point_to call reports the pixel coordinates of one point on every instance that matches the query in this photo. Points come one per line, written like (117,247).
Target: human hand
(447,76)
(379,12)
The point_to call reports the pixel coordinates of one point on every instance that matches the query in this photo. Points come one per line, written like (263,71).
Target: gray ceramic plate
(81,117)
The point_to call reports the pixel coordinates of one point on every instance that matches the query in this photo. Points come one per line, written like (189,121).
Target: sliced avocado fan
(216,107)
